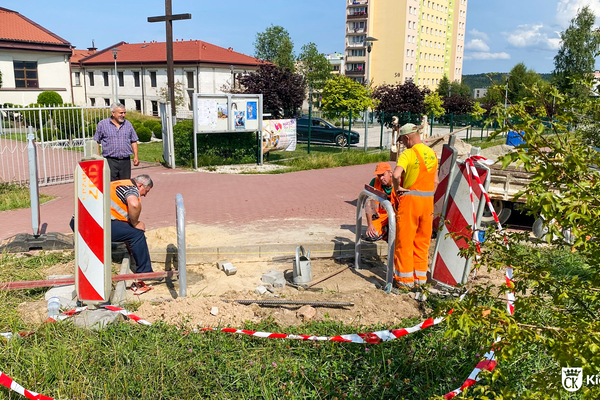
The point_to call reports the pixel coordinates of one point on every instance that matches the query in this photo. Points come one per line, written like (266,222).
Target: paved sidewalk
(317,204)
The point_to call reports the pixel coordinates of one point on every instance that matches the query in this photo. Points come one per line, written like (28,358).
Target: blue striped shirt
(116,142)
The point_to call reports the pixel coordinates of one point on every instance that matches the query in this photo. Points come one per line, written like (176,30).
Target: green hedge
(144,134)
(213,148)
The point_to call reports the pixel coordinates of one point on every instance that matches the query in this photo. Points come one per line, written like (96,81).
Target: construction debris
(226,267)
(306,313)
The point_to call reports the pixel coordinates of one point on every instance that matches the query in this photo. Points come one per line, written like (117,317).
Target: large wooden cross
(169,18)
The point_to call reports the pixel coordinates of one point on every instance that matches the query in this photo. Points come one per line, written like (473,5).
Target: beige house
(419,40)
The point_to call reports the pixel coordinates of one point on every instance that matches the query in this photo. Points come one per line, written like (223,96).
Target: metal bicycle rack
(362,198)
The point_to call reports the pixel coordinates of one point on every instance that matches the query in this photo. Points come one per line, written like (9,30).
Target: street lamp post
(369,45)
(114,51)
(506,96)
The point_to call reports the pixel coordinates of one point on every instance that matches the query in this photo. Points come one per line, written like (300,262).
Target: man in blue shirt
(119,142)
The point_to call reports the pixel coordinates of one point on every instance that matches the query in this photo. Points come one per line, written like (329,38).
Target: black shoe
(371,238)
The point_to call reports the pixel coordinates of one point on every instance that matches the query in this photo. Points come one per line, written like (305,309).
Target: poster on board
(279,134)
(207,113)
(251,110)
(240,120)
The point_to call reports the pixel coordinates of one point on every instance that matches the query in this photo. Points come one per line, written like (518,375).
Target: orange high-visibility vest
(392,196)
(118,209)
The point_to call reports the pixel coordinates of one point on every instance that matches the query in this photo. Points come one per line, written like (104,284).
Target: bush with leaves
(155,127)
(342,95)
(400,99)
(557,308)
(144,134)
(49,98)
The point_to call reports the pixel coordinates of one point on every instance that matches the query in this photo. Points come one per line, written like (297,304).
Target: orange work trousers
(414,219)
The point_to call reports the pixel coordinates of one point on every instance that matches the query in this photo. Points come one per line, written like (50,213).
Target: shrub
(49,98)
(48,134)
(183,142)
(155,127)
(90,130)
(144,134)
(69,121)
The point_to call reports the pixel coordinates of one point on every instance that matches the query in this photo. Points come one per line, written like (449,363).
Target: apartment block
(418,40)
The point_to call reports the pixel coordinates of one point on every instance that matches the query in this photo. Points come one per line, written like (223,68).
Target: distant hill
(476,81)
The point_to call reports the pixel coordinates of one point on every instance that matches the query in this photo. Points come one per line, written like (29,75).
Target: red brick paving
(221,199)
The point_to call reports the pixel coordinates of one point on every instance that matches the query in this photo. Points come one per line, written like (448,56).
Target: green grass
(150,152)
(126,361)
(14,196)
(325,157)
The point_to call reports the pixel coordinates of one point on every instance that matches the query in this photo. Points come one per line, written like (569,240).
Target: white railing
(60,133)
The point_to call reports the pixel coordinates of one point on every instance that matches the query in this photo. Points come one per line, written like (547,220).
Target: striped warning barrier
(445,174)
(5,380)
(448,267)
(92,231)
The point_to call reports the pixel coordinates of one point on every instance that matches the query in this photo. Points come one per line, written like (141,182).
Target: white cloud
(478,34)
(532,36)
(477,45)
(487,56)
(566,10)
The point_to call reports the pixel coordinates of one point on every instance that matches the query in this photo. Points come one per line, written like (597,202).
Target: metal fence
(60,132)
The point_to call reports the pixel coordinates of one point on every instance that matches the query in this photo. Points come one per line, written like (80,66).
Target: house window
(26,75)
(138,103)
(91,76)
(105,76)
(77,78)
(155,107)
(153,78)
(191,99)
(336,68)
(107,102)
(93,101)
(136,78)
(122,101)
(121,79)
(190,79)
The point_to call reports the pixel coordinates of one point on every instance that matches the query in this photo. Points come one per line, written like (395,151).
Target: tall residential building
(419,40)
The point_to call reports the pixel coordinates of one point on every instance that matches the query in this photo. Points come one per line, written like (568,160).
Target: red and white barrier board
(92,231)
(447,161)
(448,267)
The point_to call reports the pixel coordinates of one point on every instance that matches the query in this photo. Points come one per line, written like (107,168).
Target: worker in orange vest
(377,218)
(415,179)
(125,210)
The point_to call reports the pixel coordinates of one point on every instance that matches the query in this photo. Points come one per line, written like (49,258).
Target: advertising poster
(240,120)
(251,110)
(207,113)
(222,110)
(279,134)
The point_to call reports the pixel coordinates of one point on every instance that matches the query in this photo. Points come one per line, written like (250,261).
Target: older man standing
(119,142)
(415,179)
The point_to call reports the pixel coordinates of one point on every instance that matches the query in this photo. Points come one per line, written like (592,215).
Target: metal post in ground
(349,128)
(310,118)
(431,125)
(366,127)
(381,135)
(34,191)
(181,259)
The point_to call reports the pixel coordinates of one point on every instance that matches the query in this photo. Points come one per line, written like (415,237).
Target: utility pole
(168,18)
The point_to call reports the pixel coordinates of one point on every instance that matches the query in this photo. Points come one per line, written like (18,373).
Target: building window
(93,102)
(153,78)
(136,78)
(121,78)
(77,78)
(91,76)
(191,99)
(26,75)
(138,103)
(122,101)
(105,76)
(190,79)
(357,52)
(155,107)
(107,102)
(336,67)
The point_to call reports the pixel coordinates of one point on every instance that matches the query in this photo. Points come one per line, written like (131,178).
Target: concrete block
(279,283)
(272,276)
(229,269)
(306,313)
(214,311)
(260,290)
(65,291)
(96,319)
(221,264)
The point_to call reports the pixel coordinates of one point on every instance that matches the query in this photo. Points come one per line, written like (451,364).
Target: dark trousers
(121,231)
(120,168)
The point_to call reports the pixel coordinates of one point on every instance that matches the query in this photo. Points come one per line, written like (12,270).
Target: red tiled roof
(183,51)
(77,55)
(15,27)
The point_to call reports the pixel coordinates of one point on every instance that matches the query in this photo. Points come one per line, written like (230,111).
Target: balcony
(355,59)
(355,72)
(358,15)
(355,30)
(360,44)
(357,3)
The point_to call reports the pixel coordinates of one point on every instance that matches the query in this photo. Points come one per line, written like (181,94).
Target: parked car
(324,132)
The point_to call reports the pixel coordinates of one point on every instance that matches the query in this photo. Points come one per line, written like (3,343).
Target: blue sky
(500,33)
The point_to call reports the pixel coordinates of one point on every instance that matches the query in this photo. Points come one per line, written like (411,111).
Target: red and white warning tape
(5,380)
(488,363)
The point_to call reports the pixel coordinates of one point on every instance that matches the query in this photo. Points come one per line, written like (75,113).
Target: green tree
(443,88)
(520,81)
(459,89)
(163,92)
(342,95)
(314,66)
(433,104)
(49,98)
(576,57)
(557,283)
(275,45)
